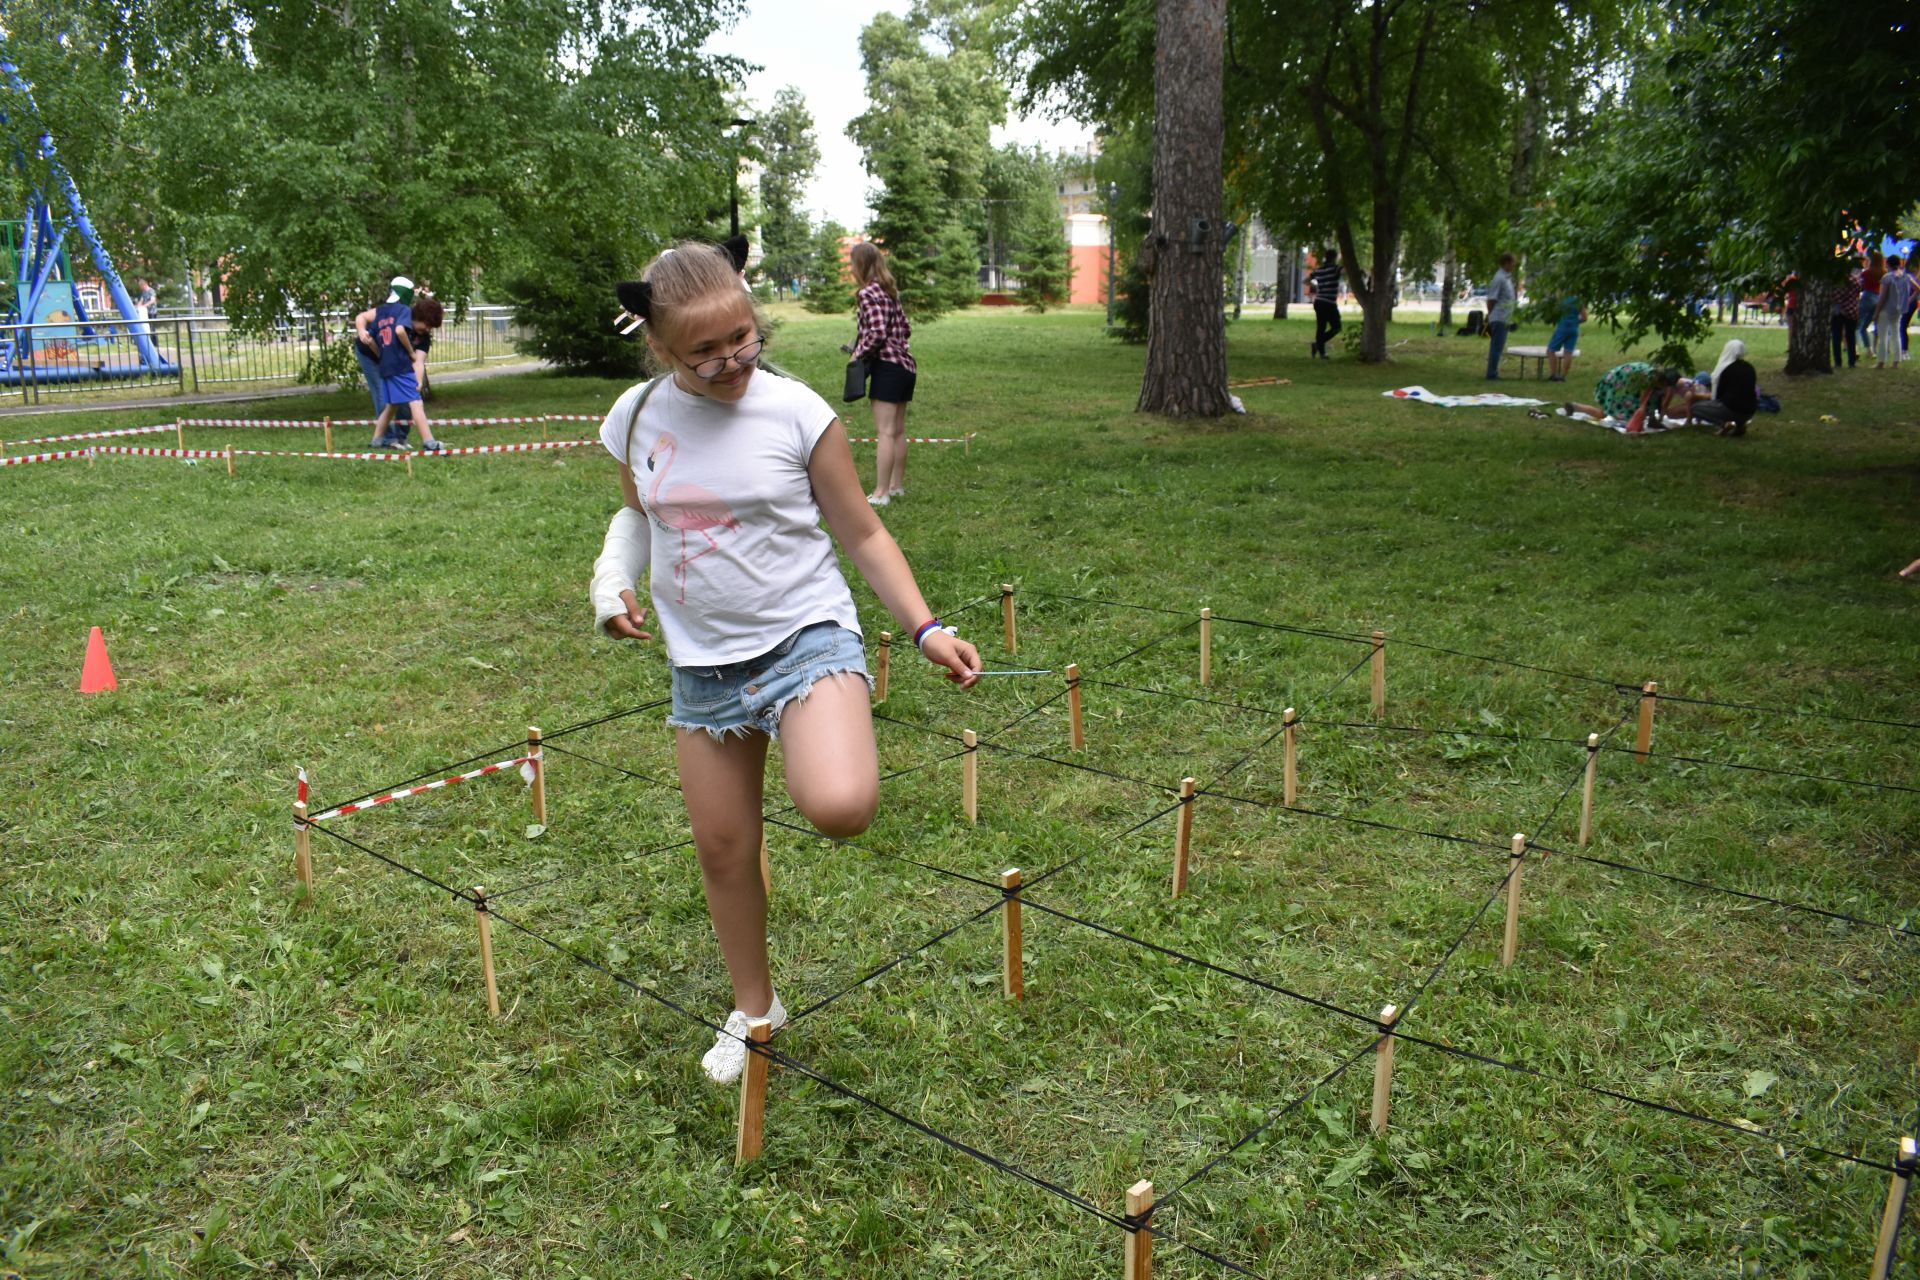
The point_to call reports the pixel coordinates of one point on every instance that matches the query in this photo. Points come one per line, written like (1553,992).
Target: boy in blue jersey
(392,338)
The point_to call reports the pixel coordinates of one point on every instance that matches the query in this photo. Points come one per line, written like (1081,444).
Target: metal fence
(183,354)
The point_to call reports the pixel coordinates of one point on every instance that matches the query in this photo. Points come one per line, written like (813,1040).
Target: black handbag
(856,381)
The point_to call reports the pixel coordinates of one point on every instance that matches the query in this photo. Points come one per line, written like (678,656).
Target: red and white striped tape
(358,805)
(367,422)
(152,451)
(917,439)
(273,422)
(91,435)
(403,455)
(44,457)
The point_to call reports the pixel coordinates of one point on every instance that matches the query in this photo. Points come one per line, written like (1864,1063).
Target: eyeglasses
(743,357)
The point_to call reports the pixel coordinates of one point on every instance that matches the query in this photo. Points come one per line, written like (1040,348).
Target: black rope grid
(1143,1221)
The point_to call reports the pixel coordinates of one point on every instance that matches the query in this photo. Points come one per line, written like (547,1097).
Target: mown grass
(206,1076)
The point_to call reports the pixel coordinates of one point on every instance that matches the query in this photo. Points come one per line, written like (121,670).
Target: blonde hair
(691,278)
(870,265)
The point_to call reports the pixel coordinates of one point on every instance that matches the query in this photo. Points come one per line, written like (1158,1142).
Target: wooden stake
(229,460)
(1903,1167)
(1586,791)
(1379,675)
(486,948)
(326,425)
(539,763)
(1290,774)
(753,1095)
(1511,943)
(180,431)
(969,444)
(1383,1069)
(1183,837)
(1206,646)
(302,848)
(1012,977)
(970,775)
(1643,740)
(1139,1254)
(766,865)
(409,466)
(1073,706)
(1006,613)
(886,660)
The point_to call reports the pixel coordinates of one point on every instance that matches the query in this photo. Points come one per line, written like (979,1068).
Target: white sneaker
(896,493)
(728,1058)
(880,501)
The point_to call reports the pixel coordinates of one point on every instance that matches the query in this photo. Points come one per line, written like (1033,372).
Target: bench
(1536,354)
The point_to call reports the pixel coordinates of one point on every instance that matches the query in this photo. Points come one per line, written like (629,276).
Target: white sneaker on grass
(728,1058)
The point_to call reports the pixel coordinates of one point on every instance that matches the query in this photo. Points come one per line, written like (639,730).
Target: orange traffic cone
(96,676)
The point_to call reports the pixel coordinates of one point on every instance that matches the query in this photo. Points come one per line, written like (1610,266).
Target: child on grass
(727,471)
(391,335)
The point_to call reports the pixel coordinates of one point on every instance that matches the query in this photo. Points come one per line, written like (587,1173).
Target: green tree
(1124,174)
(1024,228)
(1794,110)
(1347,122)
(76,88)
(315,149)
(829,288)
(791,155)
(926,138)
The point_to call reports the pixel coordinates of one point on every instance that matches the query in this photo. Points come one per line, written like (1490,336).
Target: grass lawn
(207,1076)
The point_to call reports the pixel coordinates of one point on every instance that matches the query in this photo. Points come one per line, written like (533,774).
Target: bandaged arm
(623,558)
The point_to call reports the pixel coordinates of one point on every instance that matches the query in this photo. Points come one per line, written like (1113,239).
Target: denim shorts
(742,697)
(1565,337)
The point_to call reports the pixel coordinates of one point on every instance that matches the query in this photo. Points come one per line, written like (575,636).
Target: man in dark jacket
(1736,398)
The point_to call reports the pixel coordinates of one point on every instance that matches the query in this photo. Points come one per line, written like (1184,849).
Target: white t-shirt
(740,561)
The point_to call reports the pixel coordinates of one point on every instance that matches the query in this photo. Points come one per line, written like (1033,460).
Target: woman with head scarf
(1736,392)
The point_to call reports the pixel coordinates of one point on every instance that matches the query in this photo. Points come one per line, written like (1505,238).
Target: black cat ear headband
(636,296)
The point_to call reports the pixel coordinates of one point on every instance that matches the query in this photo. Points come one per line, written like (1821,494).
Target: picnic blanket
(1654,423)
(1486,399)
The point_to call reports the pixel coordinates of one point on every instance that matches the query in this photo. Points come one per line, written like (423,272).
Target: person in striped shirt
(881,340)
(1324,287)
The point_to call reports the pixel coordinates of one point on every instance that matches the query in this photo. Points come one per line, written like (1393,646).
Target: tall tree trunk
(1374,290)
(1810,333)
(1449,283)
(1186,372)
(1283,282)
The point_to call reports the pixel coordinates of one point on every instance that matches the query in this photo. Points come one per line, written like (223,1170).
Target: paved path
(274,393)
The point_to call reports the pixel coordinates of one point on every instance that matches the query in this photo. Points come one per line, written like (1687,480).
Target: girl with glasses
(727,471)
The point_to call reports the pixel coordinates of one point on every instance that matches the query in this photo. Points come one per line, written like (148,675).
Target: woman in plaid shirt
(881,340)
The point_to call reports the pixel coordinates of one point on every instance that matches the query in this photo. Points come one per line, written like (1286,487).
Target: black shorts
(891,382)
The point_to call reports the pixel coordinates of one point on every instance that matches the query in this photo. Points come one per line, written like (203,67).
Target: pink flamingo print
(686,507)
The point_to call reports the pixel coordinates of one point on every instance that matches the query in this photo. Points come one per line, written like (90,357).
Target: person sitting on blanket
(1736,393)
(1678,400)
(1624,390)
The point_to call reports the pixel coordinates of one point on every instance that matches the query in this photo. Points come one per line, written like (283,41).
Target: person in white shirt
(1500,299)
(727,471)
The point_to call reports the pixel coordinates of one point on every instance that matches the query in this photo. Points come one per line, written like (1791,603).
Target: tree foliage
(1024,226)
(1751,134)
(1354,123)
(791,154)
(829,288)
(926,138)
(315,149)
